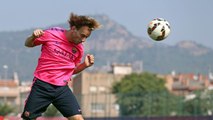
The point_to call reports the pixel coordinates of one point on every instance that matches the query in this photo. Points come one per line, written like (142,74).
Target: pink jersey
(58,57)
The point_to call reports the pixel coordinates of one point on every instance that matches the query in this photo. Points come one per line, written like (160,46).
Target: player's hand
(38,32)
(89,60)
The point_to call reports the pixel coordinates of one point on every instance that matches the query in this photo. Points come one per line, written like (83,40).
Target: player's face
(80,35)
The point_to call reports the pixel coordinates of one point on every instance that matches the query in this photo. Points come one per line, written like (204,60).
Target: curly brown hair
(79,21)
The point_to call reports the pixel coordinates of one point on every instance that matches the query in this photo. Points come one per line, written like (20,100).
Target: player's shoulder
(55,29)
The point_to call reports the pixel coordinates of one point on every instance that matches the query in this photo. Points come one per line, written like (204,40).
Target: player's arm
(89,61)
(36,33)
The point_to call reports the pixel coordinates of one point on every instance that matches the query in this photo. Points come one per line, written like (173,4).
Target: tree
(51,111)
(144,94)
(5,109)
(201,104)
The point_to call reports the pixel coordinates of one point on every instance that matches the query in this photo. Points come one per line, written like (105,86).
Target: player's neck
(68,35)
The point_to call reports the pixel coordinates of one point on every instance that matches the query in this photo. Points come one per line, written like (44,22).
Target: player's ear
(73,28)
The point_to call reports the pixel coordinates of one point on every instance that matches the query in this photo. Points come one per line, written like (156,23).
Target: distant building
(122,69)
(185,83)
(93,91)
(9,92)
(12,92)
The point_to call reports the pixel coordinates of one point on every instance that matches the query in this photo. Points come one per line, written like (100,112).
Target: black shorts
(42,94)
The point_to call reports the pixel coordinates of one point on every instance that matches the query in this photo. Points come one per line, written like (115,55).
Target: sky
(189,19)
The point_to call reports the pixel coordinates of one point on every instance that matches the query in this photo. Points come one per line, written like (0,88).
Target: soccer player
(61,55)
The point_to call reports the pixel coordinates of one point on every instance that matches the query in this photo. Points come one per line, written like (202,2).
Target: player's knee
(76,117)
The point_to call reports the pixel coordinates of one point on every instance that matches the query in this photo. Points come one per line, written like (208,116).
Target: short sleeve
(42,39)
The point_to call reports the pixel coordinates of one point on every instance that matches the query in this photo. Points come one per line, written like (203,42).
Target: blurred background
(134,77)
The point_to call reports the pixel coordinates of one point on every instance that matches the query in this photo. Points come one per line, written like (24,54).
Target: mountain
(111,44)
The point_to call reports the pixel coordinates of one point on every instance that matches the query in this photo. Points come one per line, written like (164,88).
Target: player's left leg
(38,100)
(67,104)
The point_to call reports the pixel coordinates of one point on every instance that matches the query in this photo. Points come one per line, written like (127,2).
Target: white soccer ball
(158,29)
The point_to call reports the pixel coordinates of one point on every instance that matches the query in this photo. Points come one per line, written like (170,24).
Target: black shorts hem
(29,118)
